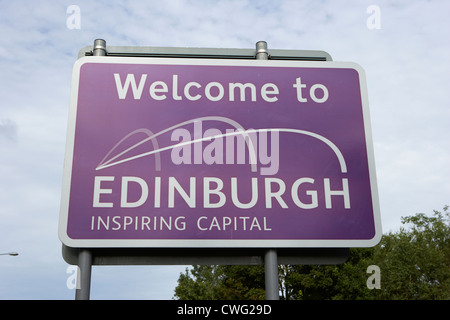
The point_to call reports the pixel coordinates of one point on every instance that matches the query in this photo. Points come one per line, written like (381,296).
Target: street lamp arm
(9,254)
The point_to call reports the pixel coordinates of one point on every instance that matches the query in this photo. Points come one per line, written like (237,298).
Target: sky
(402,46)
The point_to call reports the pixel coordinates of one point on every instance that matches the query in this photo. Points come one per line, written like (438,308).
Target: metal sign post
(85,255)
(270,257)
(216,156)
(84,267)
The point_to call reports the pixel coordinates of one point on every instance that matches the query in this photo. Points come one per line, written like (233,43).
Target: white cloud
(407,63)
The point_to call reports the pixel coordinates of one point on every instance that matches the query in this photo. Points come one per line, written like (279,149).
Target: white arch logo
(113,159)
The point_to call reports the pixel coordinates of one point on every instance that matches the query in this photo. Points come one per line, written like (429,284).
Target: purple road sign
(218,153)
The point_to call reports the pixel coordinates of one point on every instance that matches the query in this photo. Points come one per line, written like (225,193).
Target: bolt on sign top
(168,152)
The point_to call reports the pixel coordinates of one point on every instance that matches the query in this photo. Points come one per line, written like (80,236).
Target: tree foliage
(414,264)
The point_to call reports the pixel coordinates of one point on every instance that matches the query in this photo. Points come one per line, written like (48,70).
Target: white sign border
(214,243)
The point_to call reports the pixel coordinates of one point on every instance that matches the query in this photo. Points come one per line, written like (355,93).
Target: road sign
(218,153)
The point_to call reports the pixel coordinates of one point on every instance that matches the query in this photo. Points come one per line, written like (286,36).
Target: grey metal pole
(85,256)
(99,47)
(270,257)
(261,51)
(85,266)
(271,274)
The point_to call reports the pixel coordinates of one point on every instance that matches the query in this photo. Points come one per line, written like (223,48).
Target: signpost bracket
(205,256)
(200,53)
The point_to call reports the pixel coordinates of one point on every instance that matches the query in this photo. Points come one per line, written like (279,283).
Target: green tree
(351,277)
(243,282)
(414,264)
(415,261)
(199,283)
(204,282)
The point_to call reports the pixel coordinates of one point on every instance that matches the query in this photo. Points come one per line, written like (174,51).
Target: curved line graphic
(236,125)
(143,130)
(330,144)
(333,147)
